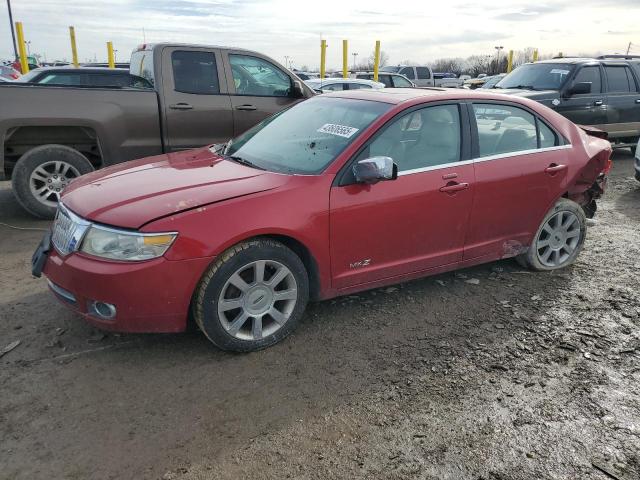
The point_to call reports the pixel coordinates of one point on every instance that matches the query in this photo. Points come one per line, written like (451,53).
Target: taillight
(608,167)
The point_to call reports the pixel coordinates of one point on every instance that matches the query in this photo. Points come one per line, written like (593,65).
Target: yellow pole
(376,61)
(112,59)
(323,57)
(345,58)
(510,62)
(535,55)
(24,63)
(74,50)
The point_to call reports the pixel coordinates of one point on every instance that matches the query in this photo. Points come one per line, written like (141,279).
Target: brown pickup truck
(201,95)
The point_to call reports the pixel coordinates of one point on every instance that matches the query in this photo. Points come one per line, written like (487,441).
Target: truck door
(587,108)
(195,104)
(424,77)
(258,88)
(623,101)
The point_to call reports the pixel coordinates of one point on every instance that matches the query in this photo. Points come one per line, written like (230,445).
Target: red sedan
(341,193)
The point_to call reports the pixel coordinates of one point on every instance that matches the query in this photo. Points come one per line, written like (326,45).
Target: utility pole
(355,55)
(286,61)
(628,48)
(498,48)
(13,32)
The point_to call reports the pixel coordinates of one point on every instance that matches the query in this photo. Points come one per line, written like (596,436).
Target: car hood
(134,193)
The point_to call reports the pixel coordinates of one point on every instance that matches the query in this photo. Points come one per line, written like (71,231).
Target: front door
(196,107)
(589,108)
(414,223)
(521,169)
(258,89)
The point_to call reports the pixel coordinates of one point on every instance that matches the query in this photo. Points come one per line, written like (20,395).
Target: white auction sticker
(340,130)
(560,71)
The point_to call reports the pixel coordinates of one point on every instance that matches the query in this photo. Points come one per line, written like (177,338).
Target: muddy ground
(522,376)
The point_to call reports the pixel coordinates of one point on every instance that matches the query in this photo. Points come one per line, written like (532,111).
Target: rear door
(623,100)
(196,106)
(416,222)
(520,169)
(258,88)
(589,108)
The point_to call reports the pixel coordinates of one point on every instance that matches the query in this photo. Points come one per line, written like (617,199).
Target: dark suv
(603,92)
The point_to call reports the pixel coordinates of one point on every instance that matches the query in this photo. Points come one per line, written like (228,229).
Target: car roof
(397,96)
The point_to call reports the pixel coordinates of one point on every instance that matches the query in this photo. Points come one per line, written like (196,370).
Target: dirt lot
(521,376)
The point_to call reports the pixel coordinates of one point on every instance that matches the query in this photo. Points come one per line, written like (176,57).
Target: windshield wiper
(244,161)
(522,87)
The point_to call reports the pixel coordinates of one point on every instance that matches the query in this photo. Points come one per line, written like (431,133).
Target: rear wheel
(559,238)
(252,296)
(41,175)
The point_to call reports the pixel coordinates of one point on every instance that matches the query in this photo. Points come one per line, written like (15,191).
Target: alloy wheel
(48,180)
(558,239)
(257,300)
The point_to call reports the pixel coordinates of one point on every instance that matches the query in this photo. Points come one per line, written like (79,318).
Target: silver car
(324,85)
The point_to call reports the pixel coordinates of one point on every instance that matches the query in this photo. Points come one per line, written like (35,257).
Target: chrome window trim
(484,159)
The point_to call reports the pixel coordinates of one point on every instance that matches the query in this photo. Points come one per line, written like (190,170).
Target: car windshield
(307,137)
(537,76)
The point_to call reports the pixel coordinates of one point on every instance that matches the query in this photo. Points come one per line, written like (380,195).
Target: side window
(400,82)
(548,138)
(358,86)
(254,76)
(423,73)
(618,79)
(333,87)
(423,138)
(504,129)
(108,80)
(62,79)
(590,75)
(195,72)
(408,72)
(386,79)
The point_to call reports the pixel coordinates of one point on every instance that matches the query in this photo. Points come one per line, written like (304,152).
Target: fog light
(103,310)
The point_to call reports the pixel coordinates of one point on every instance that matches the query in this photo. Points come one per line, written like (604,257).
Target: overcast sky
(418,30)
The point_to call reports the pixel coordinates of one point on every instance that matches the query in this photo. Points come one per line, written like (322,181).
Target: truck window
(620,79)
(408,72)
(257,77)
(142,65)
(423,73)
(590,75)
(62,79)
(195,72)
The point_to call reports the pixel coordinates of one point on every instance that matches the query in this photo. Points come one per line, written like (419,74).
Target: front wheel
(559,238)
(252,296)
(41,175)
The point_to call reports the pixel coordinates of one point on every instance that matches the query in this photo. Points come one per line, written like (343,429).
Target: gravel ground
(523,375)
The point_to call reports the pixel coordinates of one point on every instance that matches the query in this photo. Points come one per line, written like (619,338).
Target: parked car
(390,80)
(338,84)
(477,82)
(341,193)
(7,72)
(603,92)
(84,77)
(200,95)
(490,82)
(124,65)
(423,76)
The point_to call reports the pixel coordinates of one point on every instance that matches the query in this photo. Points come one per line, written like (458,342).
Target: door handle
(553,168)
(597,103)
(454,187)
(181,106)
(246,107)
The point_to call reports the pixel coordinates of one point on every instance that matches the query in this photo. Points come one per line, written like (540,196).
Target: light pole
(28,42)
(115,58)
(498,48)
(355,55)
(286,61)
(13,32)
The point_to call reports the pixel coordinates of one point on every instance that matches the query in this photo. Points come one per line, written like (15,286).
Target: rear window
(620,79)
(423,73)
(142,65)
(195,72)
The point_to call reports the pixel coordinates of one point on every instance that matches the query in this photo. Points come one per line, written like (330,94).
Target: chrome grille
(68,230)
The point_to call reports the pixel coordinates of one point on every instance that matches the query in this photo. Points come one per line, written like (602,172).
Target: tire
(633,150)
(217,295)
(568,242)
(35,171)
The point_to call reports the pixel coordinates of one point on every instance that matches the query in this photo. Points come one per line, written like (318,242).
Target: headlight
(123,245)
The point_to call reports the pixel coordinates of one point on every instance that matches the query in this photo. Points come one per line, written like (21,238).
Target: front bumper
(150,296)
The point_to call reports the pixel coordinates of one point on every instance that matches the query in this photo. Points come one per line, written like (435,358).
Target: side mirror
(296,90)
(374,169)
(579,88)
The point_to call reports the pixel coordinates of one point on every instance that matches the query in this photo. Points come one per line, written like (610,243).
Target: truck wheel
(559,239)
(42,173)
(252,296)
